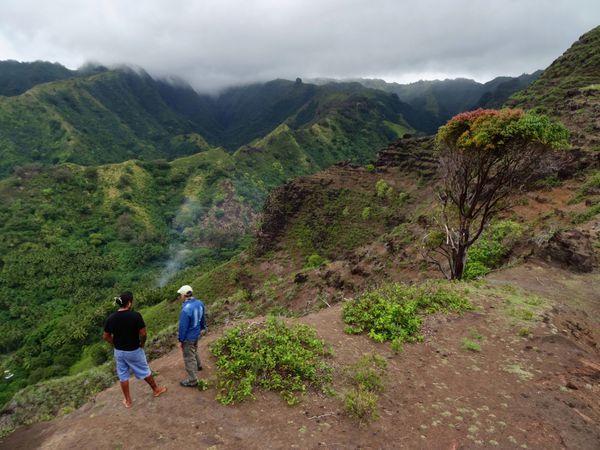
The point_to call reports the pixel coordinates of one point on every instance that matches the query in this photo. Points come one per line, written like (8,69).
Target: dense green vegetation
(272,356)
(17,77)
(394,312)
(112,116)
(491,248)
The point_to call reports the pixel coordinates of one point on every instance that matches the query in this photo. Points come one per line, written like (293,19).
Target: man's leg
(123,374)
(197,356)
(189,361)
(155,388)
(125,388)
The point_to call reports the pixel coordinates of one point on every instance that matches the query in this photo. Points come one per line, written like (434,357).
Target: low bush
(473,346)
(366,376)
(367,372)
(314,261)
(272,356)
(491,248)
(362,405)
(394,312)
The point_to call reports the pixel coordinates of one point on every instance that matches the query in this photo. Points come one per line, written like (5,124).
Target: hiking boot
(189,383)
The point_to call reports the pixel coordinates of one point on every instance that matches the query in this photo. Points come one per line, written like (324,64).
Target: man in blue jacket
(191,322)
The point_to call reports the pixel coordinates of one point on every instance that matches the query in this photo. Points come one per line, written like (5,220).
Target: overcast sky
(215,43)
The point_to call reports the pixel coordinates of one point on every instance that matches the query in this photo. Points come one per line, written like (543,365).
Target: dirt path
(539,392)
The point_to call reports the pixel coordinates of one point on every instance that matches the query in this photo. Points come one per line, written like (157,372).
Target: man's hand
(108,338)
(143,337)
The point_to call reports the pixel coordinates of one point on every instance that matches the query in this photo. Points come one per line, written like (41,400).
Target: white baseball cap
(185,290)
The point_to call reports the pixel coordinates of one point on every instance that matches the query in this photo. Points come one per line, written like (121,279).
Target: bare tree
(485,157)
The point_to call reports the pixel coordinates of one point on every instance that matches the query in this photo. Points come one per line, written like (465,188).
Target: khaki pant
(191,359)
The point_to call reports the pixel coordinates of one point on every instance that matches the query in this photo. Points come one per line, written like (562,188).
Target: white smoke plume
(189,214)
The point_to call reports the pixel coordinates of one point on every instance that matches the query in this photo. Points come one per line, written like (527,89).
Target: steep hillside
(498,90)
(107,117)
(570,90)
(18,77)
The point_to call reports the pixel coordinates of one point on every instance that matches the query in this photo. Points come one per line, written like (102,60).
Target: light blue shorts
(133,361)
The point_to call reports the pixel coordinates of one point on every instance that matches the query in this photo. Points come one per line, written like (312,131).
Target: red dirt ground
(536,392)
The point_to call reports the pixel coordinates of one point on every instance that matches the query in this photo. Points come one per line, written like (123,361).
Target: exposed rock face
(414,154)
(571,250)
(574,160)
(281,204)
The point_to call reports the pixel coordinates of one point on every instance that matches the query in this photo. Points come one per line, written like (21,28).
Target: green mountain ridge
(429,104)
(18,77)
(122,114)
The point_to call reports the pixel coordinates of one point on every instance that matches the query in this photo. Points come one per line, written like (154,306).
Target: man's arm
(184,320)
(108,338)
(143,337)
(203,319)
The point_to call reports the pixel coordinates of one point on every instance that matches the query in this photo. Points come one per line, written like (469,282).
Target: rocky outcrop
(571,250)
(411,155)
(283,202)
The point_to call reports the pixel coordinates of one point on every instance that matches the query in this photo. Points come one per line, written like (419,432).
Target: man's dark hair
(124,299)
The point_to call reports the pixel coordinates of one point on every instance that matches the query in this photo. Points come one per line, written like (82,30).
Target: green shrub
(315,260)
(471,345)
(99,353)
(494,245)
(394,312)
(591,184)
(587,215)
(524,332)
(272,356)
(382,189)
(367,373)
(548,182)
(96,239)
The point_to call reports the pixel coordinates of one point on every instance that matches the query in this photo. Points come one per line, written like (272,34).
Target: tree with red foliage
(485,156)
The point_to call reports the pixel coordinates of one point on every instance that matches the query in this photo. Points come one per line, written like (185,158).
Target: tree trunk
(458,266)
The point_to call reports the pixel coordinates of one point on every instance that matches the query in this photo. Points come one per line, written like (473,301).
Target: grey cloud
(217,43)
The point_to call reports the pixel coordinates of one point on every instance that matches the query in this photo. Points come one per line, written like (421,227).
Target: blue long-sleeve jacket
(191,320)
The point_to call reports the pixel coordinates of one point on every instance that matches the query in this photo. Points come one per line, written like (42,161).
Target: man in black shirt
(126,331)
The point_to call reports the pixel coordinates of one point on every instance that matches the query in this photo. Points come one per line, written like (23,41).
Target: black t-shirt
(125,327)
